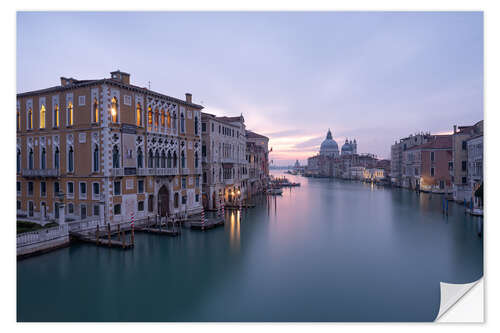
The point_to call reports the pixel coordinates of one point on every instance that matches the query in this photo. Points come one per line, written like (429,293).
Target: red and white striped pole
(132,226)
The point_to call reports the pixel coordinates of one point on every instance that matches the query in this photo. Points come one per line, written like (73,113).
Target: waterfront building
(225,169)
(461,185)
(475,170)
(329,147)
(110,149)
(258,162)
(397,149)
(349,147)
(374,174)
(347,165)
(427,166)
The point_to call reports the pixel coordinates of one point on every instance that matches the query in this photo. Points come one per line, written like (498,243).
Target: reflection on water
(234,231)
(329,250)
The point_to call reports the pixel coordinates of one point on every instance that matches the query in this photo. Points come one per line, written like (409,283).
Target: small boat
(275,191)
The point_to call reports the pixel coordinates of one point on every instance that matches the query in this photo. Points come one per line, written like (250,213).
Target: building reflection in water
(234,231)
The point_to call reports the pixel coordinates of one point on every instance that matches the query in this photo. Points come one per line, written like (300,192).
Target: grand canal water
(330,250)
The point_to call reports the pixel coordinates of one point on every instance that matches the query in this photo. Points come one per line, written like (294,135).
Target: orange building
(109,149)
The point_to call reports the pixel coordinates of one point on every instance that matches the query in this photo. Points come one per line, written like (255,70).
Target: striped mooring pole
(222,210)
(132,226)
(203,218)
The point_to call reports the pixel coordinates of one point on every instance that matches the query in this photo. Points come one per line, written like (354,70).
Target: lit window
(162,117)
(150,116)
(169,119)
(70,113)
(96,111)
(156,117)
(56,116)
(139,115)
(30,118)
(114,110)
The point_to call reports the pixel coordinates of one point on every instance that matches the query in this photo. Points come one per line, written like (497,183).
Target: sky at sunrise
(373,76)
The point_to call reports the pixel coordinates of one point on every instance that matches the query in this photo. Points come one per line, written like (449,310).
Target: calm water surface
(330,250)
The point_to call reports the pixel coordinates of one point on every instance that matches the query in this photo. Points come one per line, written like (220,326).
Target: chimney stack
(454,129)
(189,98)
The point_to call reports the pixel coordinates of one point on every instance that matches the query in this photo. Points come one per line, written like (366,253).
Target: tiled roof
(437,142)
(251,134)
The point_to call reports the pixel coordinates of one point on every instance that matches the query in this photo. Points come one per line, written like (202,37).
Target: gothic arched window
(30,118)
(150,116)
(182,123)
(196,159)
(70,113)
(42,116)
(169,160)
(183,160)
(43,159)
(114,110)
(163,159)
(18,161)
(116,157)
(56,116)
(70,159)
(169,120)
(156,117)
(138,115)
(30,159)
(56,158)
(162,117)
(175,160)
(139,157)
(95,114)
(96,158)
(157,159)
(196,125)
(150,159)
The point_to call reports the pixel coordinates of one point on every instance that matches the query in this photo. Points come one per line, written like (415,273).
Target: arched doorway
(163,201)
(214,201)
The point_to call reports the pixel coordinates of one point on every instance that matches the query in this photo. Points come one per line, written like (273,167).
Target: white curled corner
(451,294)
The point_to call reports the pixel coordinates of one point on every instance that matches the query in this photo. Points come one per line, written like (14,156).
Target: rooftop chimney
(121,76)
(454,129)
(67,81)
(189,97)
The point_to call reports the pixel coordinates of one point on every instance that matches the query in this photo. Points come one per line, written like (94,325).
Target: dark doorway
(163,201)
(214,200)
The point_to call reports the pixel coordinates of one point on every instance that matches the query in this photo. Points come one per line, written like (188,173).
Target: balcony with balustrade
(157,171)
(45,173)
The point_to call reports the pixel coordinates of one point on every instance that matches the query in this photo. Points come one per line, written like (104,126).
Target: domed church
(329,147)
(349,147)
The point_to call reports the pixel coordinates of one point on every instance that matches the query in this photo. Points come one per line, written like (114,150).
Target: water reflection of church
(347,163)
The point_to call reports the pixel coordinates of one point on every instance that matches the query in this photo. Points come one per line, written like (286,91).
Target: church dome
(347,148)
(329,147)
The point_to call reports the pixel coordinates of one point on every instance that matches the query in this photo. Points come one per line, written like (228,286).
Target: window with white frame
(83,190)
(70,189)
(96,190)
(81,100)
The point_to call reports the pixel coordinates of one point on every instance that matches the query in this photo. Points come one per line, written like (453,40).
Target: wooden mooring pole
(97,235)
(123,239)
(119,233)
(109,235)
(132,233)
